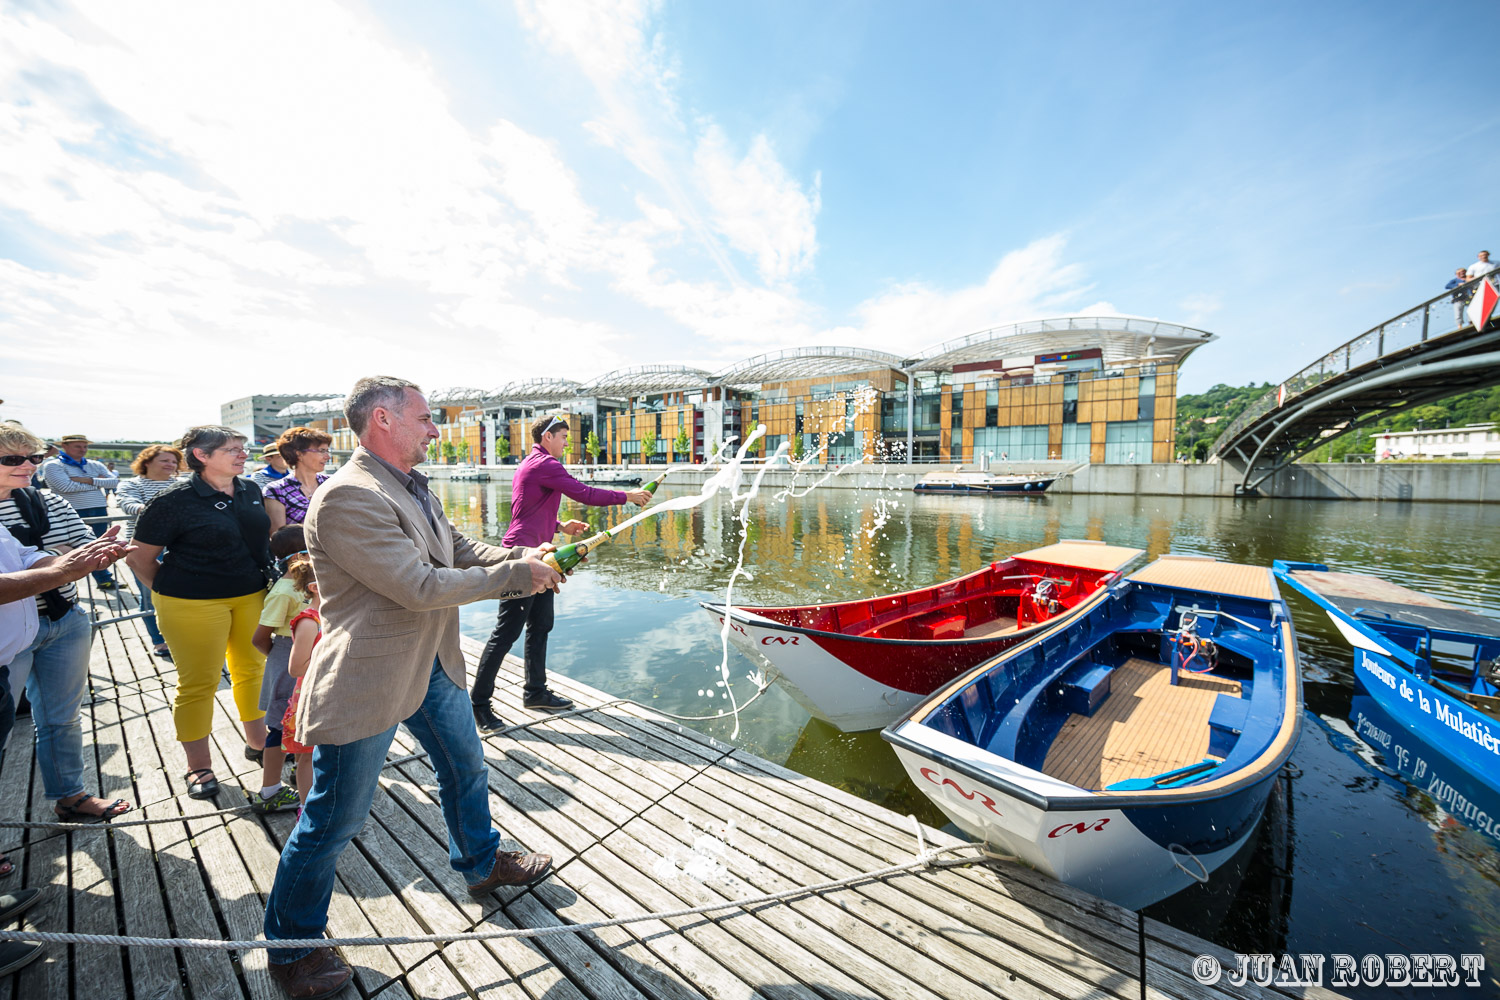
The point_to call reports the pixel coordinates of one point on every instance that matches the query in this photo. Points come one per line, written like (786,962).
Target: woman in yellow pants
(212,534)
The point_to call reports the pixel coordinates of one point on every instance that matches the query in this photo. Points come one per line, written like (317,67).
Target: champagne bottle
(651,486)
(570,555)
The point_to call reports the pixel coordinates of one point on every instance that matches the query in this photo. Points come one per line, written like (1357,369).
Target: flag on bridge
(1482,305)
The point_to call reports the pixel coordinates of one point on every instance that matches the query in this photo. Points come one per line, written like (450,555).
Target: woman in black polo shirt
(208,590)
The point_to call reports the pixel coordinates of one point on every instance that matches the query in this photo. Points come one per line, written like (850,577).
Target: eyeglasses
(232,450)
(316,451)
(22,459)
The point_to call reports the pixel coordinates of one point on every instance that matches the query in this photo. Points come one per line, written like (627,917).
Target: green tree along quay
(797,449)
(682,444)
(449,452)
(592,446)
(463,451)
(648,445)
(1223,403)
(432,451)
(502,448)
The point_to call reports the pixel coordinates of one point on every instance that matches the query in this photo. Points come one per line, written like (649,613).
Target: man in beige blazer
(391,573)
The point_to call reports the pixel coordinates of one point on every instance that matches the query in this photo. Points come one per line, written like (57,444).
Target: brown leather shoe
(513,868)
(318,974)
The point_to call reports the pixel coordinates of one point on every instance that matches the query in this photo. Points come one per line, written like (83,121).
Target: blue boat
(1456,796)
(1433,666)
(1130,751)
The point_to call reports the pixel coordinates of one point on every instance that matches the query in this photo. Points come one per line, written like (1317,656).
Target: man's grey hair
(208,438)
(370,392)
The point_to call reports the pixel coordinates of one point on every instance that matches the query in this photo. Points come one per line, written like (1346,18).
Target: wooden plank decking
(1145,727)
(1210,575)
(641,815)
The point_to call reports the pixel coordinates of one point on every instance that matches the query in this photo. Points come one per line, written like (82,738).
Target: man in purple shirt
(536,492)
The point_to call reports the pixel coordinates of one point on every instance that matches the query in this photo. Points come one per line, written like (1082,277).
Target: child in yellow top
(273,637)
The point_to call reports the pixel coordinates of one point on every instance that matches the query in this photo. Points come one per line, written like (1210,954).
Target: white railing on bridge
(1437,317)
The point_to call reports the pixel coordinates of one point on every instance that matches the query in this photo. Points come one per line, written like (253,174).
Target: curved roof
(314,409)
(536,390)
(455,396)
(646,379)
(1121,338)
(805,362)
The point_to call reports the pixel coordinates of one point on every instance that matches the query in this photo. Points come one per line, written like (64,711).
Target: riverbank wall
(1461,482)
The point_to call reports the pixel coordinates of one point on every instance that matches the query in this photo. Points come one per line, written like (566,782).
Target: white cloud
(1031,281)
(757,206)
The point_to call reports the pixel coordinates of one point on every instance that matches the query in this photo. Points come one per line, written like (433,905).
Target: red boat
(863,664)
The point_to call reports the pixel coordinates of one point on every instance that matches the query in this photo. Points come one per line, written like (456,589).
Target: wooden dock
(640,814)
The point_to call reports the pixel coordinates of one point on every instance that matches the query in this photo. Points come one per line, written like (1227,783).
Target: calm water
(1368,863)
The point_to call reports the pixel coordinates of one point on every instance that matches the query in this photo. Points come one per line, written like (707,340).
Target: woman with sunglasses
(54,669)
(213,536)
(306,451)
(536,493)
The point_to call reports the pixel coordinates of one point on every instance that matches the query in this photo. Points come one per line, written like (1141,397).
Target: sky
(203,201)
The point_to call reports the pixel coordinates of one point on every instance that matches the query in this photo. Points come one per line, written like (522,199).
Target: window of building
(1017,443)
(1127,441)
(1076,441)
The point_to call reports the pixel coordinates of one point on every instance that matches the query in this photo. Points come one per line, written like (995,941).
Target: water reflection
(1368,869)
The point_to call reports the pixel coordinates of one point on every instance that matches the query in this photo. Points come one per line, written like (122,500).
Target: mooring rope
(88,827)
(926,859)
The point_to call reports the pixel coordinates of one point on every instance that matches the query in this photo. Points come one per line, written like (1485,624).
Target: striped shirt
(66,528)
(133,495)
(59,476)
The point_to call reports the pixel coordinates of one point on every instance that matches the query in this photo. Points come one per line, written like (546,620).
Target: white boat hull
(1101,850)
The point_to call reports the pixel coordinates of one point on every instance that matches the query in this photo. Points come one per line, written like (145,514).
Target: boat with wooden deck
(1130,751)
(862,664)
(971,481)
(1433,666)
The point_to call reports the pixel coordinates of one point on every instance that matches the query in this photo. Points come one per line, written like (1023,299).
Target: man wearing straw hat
(274,469)
(82,482)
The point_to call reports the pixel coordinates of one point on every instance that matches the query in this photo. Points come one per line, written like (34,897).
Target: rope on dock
(86,827)
(925,859)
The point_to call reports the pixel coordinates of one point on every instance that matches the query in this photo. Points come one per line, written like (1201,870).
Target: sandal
(72,814)
(200,787)
(7,867)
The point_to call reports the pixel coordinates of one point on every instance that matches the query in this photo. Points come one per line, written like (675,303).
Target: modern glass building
(1074,388)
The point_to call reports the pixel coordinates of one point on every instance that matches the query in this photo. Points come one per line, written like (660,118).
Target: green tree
(592,446)
(648,445)
(798,449)
(463,451)
(502,448)
(682,445)
(432,451)
(449,451)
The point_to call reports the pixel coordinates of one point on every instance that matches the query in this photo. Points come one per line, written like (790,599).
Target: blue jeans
(100,575)
(345,779)
(54,673)
(145,591)
(7,711)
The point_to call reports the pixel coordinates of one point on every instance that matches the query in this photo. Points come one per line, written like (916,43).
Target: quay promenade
(1461,482)
(642,815)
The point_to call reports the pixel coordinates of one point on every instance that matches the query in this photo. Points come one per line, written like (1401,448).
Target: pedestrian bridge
(1412,359)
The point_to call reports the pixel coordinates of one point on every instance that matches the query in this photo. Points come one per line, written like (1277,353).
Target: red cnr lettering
(988,802)
(781,640)
(1095,827)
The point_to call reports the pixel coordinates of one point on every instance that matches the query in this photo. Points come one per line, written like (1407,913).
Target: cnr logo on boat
(781,640)
(1095,827)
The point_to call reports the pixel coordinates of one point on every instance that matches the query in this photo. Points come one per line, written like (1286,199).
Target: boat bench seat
(939,625)
(1226,723)
(1083,695)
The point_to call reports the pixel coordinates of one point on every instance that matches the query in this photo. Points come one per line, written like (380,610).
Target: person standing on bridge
(1482,266)
(1461,295)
